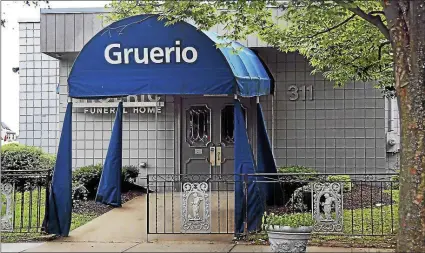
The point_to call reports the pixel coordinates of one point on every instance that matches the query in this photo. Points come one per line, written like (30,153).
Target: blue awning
(140,55)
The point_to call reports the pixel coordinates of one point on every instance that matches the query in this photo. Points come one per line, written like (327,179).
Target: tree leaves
(337,42)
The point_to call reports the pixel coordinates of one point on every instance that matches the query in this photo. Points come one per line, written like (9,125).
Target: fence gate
(190,204)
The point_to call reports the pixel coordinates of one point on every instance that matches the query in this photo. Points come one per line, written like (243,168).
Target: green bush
(89,177)
(293,182)
(346,179)
(129,173)
(16,156)
(295,169)
(79,194)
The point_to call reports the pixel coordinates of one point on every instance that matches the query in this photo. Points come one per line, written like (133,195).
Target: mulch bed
(90,206)
(364,196)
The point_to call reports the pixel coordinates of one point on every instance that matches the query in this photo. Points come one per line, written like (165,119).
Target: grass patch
(28,217)
(77,221)
(368,227)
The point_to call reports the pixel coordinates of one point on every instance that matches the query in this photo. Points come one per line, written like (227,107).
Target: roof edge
(74,10)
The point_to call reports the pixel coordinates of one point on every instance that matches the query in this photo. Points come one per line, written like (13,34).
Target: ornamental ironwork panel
(328,207)
(7,206)
(196,208)
(198,132)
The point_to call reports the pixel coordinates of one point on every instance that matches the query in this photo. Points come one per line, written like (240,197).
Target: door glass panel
(228,124)
(198,123)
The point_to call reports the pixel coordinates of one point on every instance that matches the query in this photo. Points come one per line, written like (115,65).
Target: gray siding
(340,130)
(38,73)
(69,32)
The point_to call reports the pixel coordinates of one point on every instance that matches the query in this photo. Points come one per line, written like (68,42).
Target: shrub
(89,177)
(129,173)
(19,157)
(346,179)
(295,169)
(16,156)
(79,194)
(293,182)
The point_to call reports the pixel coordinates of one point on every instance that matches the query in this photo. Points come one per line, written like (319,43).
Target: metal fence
(340,204)
(190,204)
(23,195)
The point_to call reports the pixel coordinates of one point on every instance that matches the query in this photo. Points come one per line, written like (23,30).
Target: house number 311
(303,92)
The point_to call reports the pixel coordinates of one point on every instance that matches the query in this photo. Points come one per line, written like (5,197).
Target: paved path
(124,230)
(158,247)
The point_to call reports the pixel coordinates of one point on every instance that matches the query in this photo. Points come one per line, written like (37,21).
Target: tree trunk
(406,20)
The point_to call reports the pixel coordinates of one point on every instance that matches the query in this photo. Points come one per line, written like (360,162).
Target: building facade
(310,122)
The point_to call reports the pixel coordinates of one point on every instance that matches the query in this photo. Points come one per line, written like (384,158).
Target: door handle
(212,156)
(218,156)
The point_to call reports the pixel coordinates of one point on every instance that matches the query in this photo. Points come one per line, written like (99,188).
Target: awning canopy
(140,55)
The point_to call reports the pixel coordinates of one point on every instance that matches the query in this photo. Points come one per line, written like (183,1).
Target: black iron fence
(190,204)
(23,194)
(340,204)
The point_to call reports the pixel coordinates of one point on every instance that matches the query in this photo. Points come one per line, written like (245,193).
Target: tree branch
(374,20)
(332,28)
(376,12)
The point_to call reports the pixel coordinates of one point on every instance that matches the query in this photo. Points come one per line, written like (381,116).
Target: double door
(208,135)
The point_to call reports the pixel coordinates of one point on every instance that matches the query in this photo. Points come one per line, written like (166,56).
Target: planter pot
(288,239)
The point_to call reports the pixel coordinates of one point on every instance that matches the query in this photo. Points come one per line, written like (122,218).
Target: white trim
(28,20)
(74,10)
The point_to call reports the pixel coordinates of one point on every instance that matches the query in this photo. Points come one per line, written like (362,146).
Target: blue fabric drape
(59,207)
(265,159)
(248,207)
(109,190)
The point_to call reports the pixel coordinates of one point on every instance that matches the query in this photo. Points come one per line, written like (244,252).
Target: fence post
(246,205)
(46,206)
(147,208)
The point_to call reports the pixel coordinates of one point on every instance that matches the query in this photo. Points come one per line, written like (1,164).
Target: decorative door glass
(228,124)
(198,133)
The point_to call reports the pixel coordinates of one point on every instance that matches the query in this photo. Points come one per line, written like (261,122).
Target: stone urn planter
(288,232)
(287,239)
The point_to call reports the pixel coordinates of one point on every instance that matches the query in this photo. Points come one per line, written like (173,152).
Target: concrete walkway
(159,247)
(124,230)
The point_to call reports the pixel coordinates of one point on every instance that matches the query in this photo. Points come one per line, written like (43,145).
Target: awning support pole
(273,122)
(156,136)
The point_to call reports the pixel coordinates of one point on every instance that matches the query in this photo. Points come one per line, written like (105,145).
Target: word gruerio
(155,54)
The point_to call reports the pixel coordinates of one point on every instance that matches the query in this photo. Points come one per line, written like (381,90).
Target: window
(198,124)
(228,124)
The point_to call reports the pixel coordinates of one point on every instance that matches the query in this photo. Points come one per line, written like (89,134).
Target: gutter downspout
(390,114)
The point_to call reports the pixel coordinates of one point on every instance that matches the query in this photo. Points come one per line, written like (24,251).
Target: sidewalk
(124,230)
(158,247)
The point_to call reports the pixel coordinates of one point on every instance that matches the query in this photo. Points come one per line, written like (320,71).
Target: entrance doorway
(208,134)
